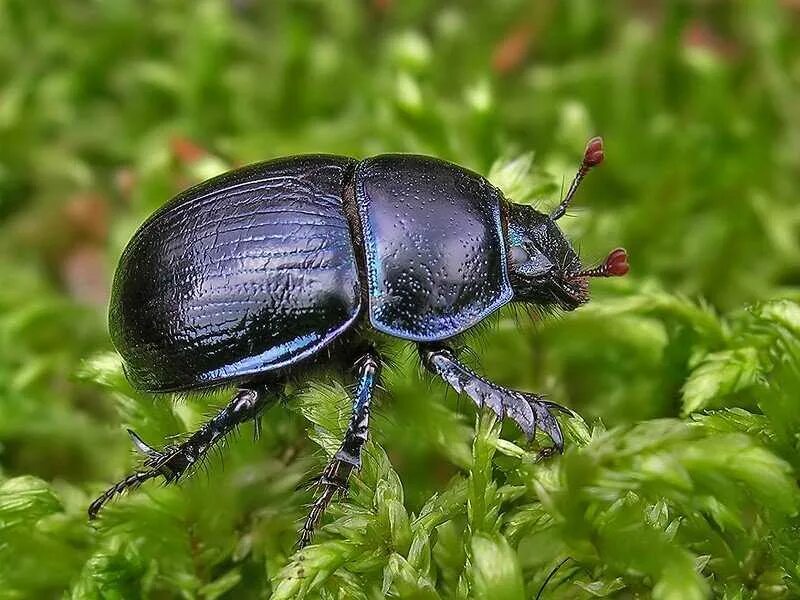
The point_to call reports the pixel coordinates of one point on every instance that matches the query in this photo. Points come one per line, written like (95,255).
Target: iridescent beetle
(253,276)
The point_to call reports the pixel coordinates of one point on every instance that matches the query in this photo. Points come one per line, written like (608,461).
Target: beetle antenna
(615,265)
(592,156)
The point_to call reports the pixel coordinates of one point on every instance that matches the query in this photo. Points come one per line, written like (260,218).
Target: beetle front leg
(528,410)
(171,462)
(348,458)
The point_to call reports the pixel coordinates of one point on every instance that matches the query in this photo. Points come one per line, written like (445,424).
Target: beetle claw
(142,446)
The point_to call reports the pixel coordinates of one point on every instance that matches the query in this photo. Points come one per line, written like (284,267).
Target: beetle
(251,277)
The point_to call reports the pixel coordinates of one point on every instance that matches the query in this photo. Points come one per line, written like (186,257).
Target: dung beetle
(250,278)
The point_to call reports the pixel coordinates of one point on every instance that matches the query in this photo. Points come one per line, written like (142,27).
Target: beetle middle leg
(348,458)
(171,462)
(529,411)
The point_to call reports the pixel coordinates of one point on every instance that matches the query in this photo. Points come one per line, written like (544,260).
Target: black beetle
(251,276)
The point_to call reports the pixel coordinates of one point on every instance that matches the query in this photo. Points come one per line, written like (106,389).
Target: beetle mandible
(250,278)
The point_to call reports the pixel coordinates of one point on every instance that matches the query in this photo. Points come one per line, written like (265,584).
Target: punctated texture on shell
(245,273)
(435,252)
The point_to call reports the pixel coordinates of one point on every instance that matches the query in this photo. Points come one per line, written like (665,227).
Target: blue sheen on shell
(246,273)
(435,251)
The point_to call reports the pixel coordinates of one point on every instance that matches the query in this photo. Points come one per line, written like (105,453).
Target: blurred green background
(682,482)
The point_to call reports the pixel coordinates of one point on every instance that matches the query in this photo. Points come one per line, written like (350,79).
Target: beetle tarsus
(314,516)
(171,462)
(529,411)
(332,481)
(129,483)
(335,476)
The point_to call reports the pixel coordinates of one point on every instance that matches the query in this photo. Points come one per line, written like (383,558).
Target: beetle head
(544,268)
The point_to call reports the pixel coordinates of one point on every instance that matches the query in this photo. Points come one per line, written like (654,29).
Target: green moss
(681,480)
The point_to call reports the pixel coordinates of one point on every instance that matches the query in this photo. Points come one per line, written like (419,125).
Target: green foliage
(680,478)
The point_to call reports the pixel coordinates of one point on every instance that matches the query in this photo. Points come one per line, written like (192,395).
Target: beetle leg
(348,457)
(528,410)
(172,461)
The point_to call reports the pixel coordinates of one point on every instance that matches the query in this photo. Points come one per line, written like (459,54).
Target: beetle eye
(519,255)
(536,265)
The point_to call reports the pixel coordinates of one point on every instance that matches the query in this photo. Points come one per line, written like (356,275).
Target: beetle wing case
(435,250)
(248,272)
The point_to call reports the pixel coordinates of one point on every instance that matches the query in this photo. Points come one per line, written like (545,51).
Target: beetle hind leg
(347,459)
(529,411)
(173,461)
